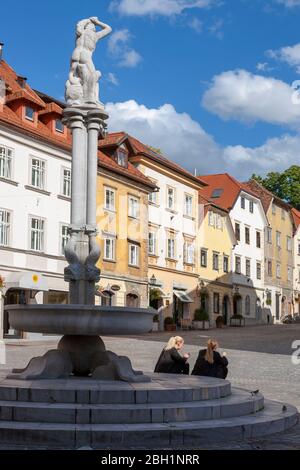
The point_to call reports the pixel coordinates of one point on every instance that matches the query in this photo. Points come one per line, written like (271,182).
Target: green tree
(285,185)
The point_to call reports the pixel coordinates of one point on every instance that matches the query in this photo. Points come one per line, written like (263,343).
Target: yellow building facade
(215,241)
(122,222)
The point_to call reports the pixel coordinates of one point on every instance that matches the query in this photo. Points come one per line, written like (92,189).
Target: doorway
(226,309)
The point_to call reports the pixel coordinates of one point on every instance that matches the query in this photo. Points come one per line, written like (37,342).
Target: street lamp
(152,281)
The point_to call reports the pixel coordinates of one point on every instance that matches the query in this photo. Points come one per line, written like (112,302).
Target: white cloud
(157,7)
(244,96)
(289,3)
(176,134)
(112,78)
(118,47)
(196,25)
(184,140)
(275,154)
(289,55)
(263,67)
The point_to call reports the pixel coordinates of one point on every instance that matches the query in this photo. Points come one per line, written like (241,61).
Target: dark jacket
(217,369)
(171,362)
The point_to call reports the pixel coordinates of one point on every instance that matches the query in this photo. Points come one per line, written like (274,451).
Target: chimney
(1,49)
(2,94)
(22,81)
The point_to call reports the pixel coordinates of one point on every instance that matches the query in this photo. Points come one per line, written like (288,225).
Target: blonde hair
(173,341)
(212,345)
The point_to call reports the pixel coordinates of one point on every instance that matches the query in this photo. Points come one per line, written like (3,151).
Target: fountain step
(164,388)
(240,403)
(272,419)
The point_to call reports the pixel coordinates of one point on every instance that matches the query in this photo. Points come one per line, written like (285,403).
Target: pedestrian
(210,362)
(171,361)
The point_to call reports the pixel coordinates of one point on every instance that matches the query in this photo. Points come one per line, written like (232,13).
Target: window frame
(204,252)
(137,255)
(133,210)
(7,227)
(40,232)
(8,161)
(42,173)
(171,208)
(112,248)
(112,191)
(238,262)
(188,213)
(64,168)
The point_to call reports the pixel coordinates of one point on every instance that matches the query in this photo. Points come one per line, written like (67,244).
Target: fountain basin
(80,320)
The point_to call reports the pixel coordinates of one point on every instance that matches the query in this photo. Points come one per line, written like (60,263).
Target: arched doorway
(226,309)
(237,305)
(107,298)
(132,300)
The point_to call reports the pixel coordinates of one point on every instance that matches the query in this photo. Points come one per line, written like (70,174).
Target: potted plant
(155,323)
(219,321)
(169,324)
(237,320)
(201,319)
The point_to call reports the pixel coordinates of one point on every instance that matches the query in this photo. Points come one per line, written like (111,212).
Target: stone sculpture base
(80,356)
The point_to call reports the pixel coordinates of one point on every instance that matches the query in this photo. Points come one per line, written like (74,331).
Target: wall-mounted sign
(115,287)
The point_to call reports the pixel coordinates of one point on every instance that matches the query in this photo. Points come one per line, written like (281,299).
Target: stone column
(82,251)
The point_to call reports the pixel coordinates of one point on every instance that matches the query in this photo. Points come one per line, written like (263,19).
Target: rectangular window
(5,226)
(237,231)
(282,214)
(289,243)
(59,127)
(153,197)
(248,268)
(247,235)
(66,182)
(188,205)
(152,243)
(5,162)
(270,268)
(289,273)
(170,198)
(64,237)
(238,264)
(243,203)
(38,169)
(258,240)
(216,303)
(258,271)
(37,235)
(171,248)
(122,158)
(251,206)
(269,235)
(189,253)
(203,259)
(273,209)
(226,264)
(133,255)
(215,261)
(278,239)
(278,271)
(211,219)
(133,207)
(109,203)
(29,113)
(109,248)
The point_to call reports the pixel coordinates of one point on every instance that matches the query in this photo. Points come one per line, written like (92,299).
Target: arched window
(107,298)
(132,300)
(247,305)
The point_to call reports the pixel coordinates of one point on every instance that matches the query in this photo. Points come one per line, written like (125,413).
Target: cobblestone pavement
(259,358)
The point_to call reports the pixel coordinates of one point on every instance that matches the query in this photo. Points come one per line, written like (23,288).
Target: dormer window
(122,158)
(59,127)
(29,113)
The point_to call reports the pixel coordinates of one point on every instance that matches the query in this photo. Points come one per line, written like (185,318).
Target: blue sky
(207,81)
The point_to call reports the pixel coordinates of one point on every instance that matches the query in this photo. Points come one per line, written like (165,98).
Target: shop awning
(163,294)
(26,280)
(183,297)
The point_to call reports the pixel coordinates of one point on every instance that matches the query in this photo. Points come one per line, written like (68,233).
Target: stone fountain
(81,351)
(82,395)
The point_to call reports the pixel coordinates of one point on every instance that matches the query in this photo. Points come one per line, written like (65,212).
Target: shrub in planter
(219,321)
(237,320)
(169,324)
(201,319)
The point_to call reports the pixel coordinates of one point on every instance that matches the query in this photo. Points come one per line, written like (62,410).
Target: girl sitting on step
(171,361)
(210,363)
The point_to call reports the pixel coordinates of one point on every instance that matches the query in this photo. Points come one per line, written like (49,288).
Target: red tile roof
(139,148)
(296,217)
(229,188)
(41,132)
(266,196)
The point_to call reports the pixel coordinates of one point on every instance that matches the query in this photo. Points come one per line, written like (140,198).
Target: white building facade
(249,222)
